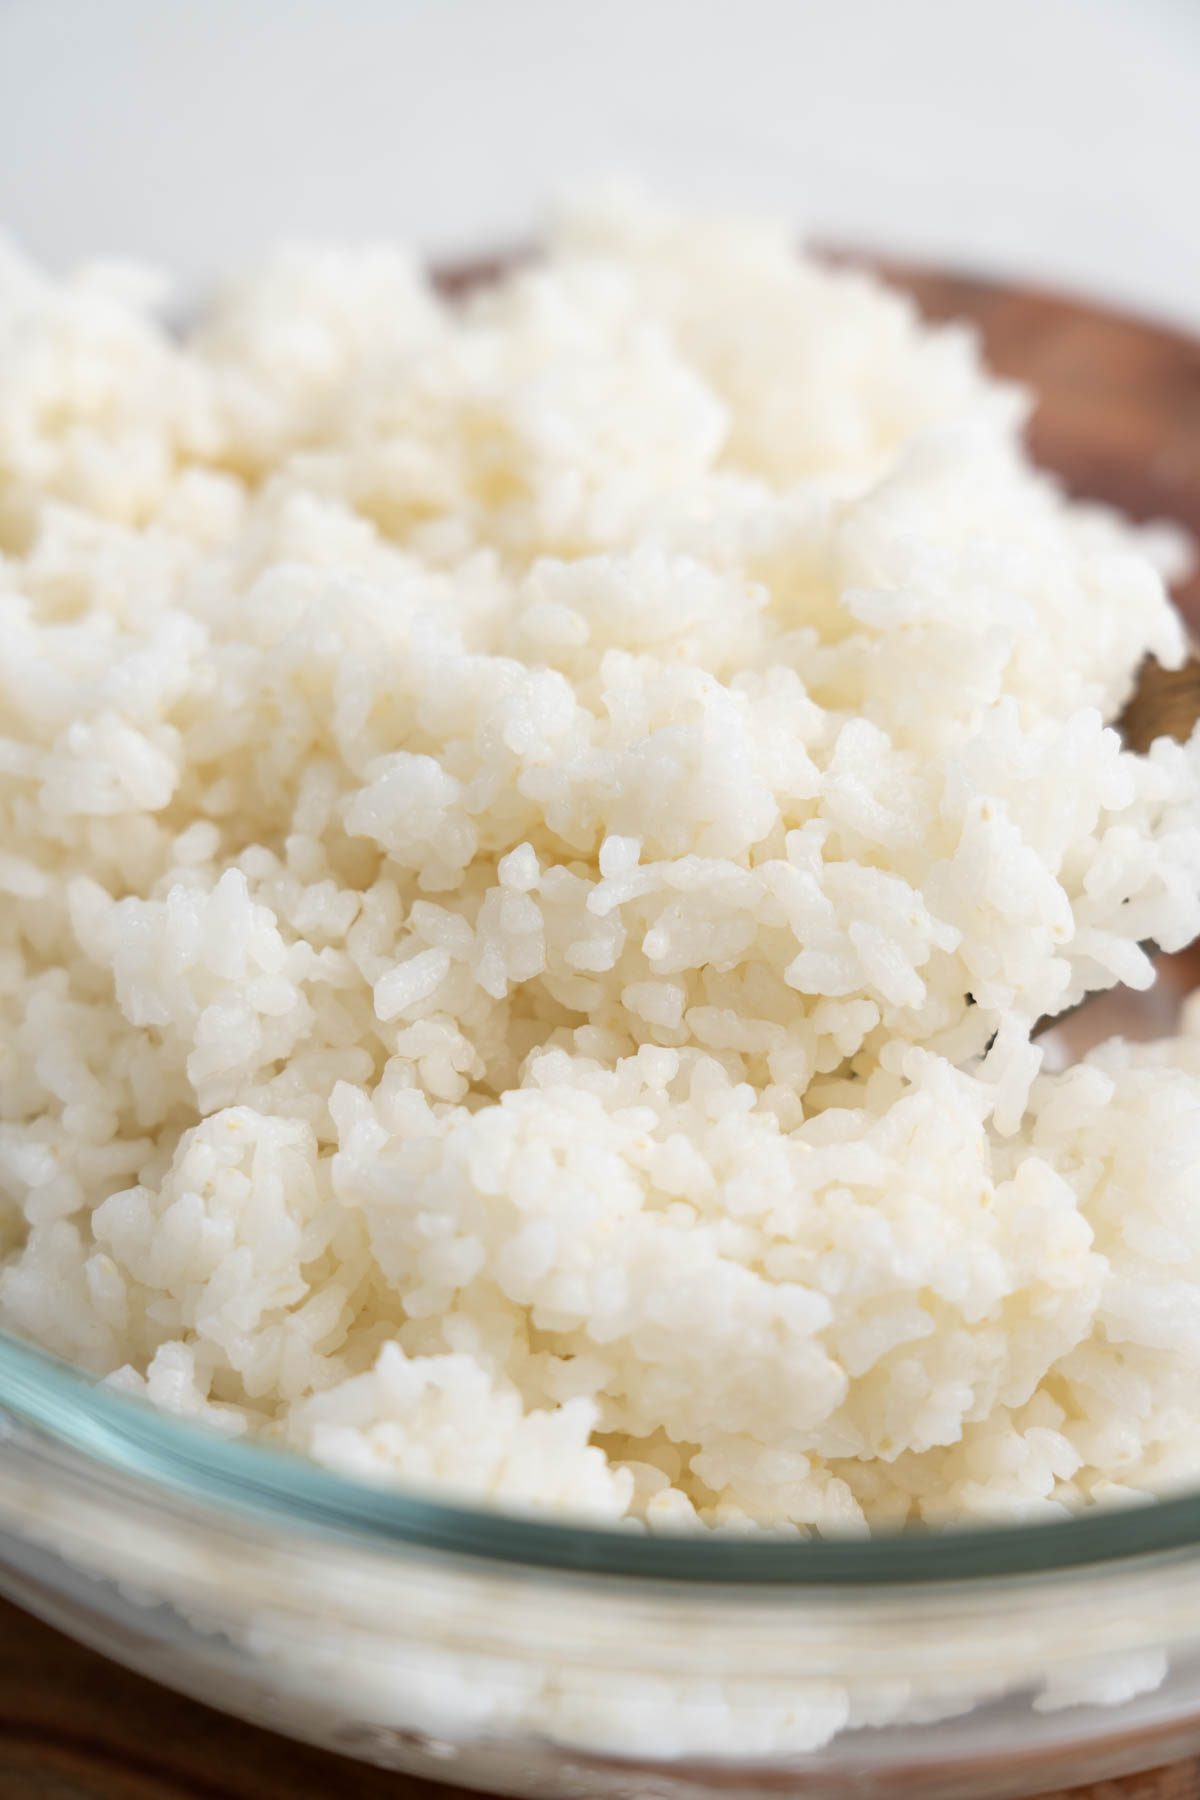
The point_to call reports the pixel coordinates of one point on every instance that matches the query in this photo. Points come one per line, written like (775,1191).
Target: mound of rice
(533,835)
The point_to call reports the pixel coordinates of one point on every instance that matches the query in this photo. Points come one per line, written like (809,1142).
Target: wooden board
(1119,420)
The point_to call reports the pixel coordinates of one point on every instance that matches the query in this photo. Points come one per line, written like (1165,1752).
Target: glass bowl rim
(171,1455)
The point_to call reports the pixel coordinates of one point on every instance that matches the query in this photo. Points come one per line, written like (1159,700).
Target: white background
(1058,139)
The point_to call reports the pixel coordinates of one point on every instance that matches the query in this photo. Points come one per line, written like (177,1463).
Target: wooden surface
(74,1726)
(1120,420)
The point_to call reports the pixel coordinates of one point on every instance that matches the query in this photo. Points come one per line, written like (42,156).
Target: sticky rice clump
(534,833)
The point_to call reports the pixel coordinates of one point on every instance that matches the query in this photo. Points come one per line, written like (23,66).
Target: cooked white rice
(533,835)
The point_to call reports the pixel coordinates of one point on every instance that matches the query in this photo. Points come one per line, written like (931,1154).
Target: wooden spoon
(1165,703)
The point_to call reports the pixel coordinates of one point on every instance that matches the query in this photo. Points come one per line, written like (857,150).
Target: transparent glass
(543,1660)
(548,1660)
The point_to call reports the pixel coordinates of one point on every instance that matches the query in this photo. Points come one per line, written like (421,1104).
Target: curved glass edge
(190,1460)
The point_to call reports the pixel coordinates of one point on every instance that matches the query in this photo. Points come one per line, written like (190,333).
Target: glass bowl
(545,1660)
(549,1660)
